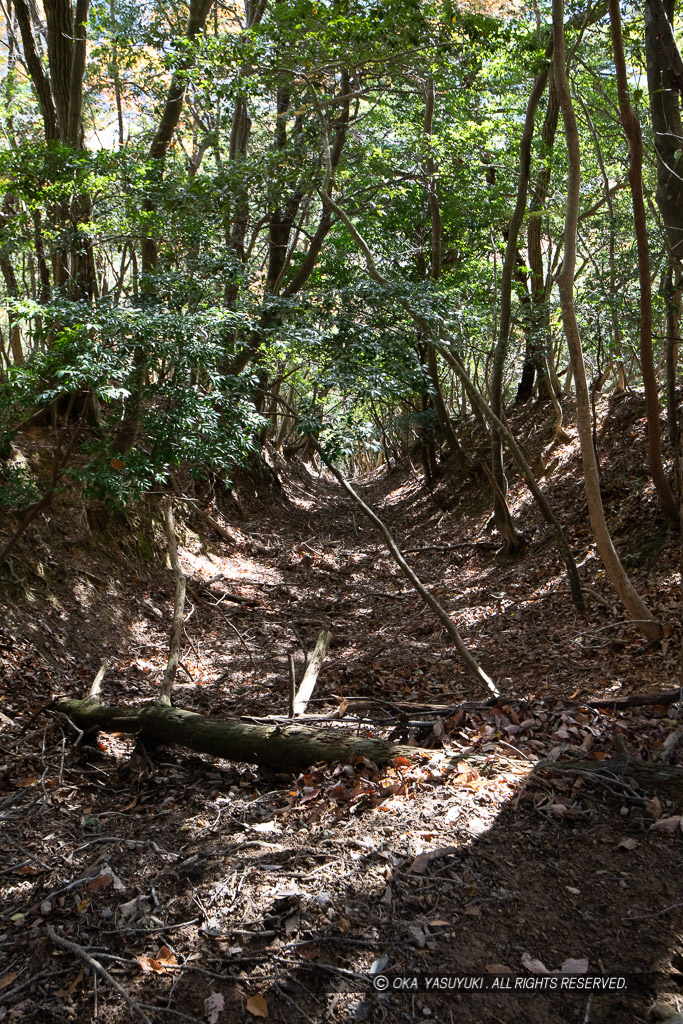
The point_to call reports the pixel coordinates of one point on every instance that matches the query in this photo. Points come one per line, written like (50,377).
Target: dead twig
(22,849)
(657,913)
(214,605)
(95,965)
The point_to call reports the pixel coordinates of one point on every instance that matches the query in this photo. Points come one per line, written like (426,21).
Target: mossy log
(283,747)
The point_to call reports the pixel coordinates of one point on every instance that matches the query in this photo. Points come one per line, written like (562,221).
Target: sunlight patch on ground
(235,567)
(302,502)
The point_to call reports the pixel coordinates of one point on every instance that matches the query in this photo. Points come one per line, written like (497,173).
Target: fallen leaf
(149,965)
(534,966)
(100,882)
(68,990)
(256,1006)
(654,808)
(7,979)
(419,865)
(214,1004)
(574,966)
(166,957)
(672,824)
(627,844)
(309,952)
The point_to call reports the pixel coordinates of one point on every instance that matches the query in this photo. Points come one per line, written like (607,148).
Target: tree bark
(168,122)
(281,747)
(504,521)
(633,603)
(60,30)
(673,341)
(78,55)
(665,82)
(539,312)
(35,68)
(634,136)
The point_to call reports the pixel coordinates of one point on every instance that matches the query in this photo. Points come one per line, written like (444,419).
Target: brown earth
(191,878)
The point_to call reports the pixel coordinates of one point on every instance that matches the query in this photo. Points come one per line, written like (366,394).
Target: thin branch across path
(469,661)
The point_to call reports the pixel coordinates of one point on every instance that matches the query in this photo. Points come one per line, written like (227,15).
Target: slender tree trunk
(442,412)
(672,341)
(435,272)
(34,65)
(635,173)
(12,287)
(178,607)
(633,603)
(539,348)
(168,122)
(513,542)
(115,73)
(665,83)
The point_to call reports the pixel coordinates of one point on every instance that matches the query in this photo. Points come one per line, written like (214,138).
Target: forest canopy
(228,229)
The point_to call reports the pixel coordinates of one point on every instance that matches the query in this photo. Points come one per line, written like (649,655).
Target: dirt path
(193,879)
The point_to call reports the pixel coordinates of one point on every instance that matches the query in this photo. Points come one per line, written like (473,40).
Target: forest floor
(213,891)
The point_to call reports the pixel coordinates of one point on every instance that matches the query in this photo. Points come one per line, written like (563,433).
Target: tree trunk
(34,65)
(633,603)
(539,310)
(442,412)
(307,686)
(635,173)
(178,606)
(281,747)
(504,522)
(672,341)
(664,83)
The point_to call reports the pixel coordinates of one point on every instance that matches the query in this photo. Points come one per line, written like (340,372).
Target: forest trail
(282,893)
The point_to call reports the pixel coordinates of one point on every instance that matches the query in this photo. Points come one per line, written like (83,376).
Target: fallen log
(668,778)
(282,747)
(638,700)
